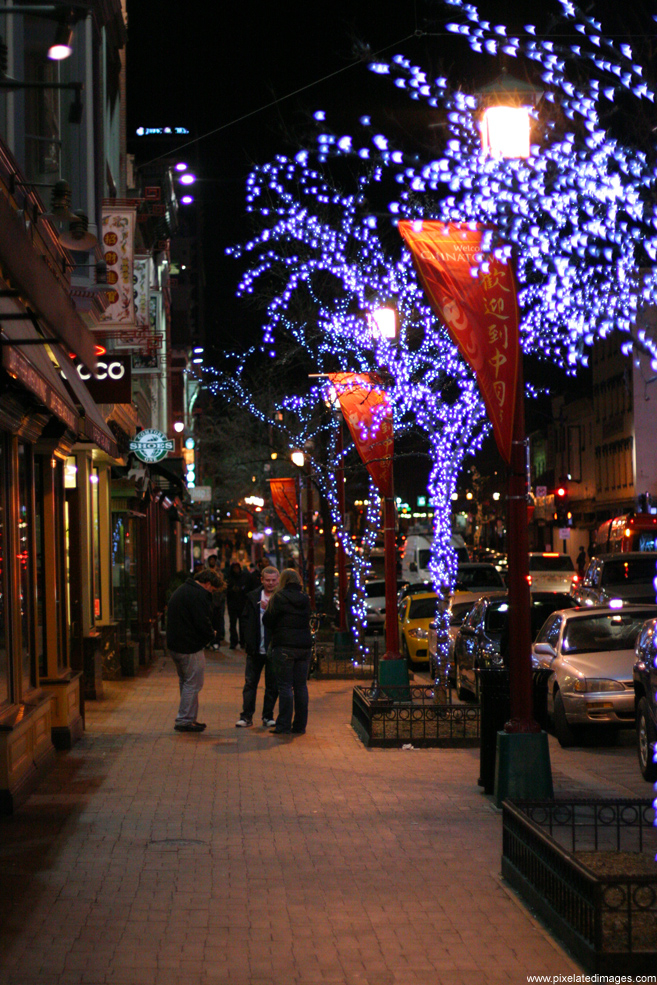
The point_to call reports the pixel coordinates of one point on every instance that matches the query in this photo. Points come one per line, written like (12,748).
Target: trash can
(495,697)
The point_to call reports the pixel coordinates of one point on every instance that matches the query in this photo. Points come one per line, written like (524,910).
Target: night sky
(205,67)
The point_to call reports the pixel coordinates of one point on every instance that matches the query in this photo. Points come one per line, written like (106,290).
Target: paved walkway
(150,857)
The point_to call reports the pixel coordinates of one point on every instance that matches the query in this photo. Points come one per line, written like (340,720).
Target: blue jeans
(291,666)
(191,673)
(252,672)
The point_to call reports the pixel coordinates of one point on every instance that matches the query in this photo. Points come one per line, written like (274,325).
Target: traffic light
(562,513)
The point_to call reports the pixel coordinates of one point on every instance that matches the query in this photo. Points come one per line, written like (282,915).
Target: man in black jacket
(256,642)
(189,631)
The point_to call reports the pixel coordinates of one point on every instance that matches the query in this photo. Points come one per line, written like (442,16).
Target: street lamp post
(384,322)
(308,560)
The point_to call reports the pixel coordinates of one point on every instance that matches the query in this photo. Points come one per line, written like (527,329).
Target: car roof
(624,556)
(423,595)
(475,564)
(585,610)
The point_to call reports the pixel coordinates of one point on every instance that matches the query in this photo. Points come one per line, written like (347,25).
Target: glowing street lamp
(384,323)
(505,124)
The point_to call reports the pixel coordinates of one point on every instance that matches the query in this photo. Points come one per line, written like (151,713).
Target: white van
(417,553)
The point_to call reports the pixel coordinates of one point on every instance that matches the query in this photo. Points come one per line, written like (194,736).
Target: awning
(32,366)
(27,271)
(93,425)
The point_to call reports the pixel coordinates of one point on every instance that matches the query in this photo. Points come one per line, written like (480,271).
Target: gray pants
(191,672)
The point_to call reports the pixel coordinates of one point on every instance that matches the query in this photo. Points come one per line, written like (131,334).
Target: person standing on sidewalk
(287,618)
(235,601)
(218,603)
(256,641)
(189,631)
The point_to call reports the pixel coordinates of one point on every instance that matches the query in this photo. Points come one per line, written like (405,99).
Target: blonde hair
(288,577)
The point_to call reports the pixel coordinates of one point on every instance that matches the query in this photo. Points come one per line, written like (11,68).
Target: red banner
(284,498)
(480,311)
(369,419)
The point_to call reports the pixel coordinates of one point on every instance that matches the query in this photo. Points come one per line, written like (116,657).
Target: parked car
(477,578)
(415,614)
(630,577)
(375,603)
(482,639)
(459,607)
(645,699)
(590,653)
(552,572)
(414,588)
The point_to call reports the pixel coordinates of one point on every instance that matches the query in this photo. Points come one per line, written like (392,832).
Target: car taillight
(575,579)
(529,579)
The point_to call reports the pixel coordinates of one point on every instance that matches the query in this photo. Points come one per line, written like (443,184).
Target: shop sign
(118,247)
(151,445)
(201,494)
(111,381)
(20,367)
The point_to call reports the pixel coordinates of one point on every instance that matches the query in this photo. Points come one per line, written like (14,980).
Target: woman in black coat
(287,619)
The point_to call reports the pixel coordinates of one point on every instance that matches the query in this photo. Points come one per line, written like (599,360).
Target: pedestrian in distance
(189,631)
(256,643)
(287,618)
(581,562)
(218,603)
(235,602)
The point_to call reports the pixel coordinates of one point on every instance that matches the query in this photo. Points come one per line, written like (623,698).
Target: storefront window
(94,479)
(25,561)
(4,642)
(61,581)
(124,573)
(40,568)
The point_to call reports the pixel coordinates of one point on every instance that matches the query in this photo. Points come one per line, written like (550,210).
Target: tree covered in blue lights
(579,213)
(324,262)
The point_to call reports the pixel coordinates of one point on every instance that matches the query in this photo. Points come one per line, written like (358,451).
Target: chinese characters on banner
(480,312)
(118,247)
(284,498)
(369,418)
(142,289)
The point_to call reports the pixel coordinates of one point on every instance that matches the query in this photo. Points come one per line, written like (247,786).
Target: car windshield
(458,612)
(638,571)
(422,608)
(550,562)
(423,558)
(604,631)
(377,589)
(497,616)
(479,576)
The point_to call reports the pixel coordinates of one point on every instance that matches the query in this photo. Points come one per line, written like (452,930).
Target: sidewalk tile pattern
(150,857)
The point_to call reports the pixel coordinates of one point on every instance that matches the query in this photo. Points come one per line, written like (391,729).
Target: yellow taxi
(415,614)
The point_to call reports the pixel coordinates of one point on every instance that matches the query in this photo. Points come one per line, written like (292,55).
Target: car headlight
(595,685)
(418,634)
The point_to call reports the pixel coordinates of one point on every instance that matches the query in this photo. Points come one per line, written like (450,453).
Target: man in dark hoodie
(256,644)
(189,631)
(287,620)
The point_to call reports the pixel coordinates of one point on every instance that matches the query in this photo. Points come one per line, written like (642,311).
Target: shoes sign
(151,445)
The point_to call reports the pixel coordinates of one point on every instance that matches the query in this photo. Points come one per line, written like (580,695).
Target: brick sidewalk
(150,857)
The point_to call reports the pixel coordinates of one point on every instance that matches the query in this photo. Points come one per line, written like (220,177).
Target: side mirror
(545,650)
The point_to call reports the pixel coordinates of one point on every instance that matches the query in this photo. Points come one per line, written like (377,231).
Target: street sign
(151,445)
(201,494)
(564,533)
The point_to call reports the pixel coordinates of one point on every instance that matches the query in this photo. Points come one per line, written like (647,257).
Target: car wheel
(568,735)
(646,738)
(462,691)
(405,654)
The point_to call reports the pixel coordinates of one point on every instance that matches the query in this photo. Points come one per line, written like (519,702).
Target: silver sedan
(590,653)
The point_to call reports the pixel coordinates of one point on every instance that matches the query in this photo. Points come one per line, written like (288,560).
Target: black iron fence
(416,714)
(588,867)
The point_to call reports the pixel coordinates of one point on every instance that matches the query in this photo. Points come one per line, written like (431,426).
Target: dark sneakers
(190,727)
